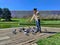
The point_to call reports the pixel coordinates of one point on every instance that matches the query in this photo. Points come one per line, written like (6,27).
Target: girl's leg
(39,25)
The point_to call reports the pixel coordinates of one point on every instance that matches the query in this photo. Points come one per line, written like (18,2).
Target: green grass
(16,22)
(52,40)
(8,25)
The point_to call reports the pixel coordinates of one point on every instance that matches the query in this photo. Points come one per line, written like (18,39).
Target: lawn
(17,22)
(52,40)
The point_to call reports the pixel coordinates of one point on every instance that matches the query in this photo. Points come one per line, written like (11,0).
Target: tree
(6,14)
(1,13)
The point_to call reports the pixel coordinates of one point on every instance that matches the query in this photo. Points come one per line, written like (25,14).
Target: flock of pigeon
(26,31)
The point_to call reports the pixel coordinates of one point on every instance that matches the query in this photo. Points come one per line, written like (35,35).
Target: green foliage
(0,13)
(6,14)
(53,40)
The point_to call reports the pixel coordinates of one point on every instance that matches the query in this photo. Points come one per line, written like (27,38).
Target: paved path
(8,38)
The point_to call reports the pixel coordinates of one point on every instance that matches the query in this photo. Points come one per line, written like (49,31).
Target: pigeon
(14,32)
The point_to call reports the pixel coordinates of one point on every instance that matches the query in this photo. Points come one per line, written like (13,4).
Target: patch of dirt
(21,39)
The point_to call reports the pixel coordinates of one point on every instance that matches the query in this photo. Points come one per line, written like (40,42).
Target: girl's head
(35,10)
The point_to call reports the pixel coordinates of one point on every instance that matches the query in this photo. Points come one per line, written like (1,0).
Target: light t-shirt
(36,16)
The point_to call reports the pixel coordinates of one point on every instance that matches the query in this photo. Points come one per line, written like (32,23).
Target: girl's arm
(32,18)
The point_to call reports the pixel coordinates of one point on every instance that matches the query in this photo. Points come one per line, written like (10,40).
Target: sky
(30,4)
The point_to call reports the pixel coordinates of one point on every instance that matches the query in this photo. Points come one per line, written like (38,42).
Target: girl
(36,18)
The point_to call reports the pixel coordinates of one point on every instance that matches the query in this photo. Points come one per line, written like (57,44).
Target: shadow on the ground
(50,32)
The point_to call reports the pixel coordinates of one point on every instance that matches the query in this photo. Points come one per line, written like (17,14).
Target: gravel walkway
(21,39)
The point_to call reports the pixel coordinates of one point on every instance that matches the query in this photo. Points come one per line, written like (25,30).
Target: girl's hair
(35,9)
